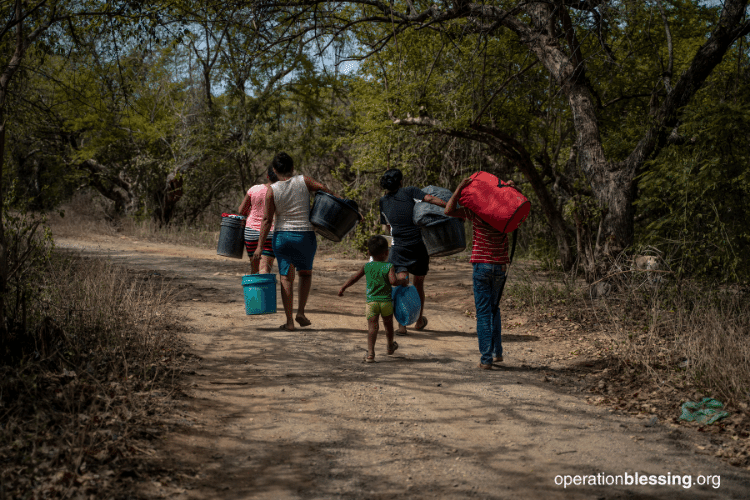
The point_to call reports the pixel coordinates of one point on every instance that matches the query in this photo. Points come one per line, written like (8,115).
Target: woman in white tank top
(294,241)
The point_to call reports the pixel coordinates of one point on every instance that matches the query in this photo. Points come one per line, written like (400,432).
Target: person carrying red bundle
(489,258)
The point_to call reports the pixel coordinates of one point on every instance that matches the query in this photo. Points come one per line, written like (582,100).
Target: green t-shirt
(378,285)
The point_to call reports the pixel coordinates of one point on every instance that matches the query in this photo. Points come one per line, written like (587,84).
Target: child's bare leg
(388,325)
(372,334)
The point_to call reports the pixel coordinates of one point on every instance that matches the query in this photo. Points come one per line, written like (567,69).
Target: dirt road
(271,414)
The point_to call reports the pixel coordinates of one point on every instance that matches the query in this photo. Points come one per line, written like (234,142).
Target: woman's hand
(258,252)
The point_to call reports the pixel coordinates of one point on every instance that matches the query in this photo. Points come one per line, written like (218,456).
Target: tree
(25,24)
(570,40)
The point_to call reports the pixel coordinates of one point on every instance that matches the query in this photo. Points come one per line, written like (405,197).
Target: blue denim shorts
(295,248)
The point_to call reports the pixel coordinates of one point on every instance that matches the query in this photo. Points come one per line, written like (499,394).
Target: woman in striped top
(252,206)
(489,257)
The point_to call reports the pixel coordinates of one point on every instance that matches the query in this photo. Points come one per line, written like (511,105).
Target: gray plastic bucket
(333,217)
(444,238)
(232,236)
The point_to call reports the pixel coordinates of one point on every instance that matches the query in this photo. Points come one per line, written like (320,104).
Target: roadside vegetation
(647,345)
(147,120)
(90,362)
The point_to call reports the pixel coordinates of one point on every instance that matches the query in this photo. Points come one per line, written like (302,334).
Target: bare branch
(501,88)
(667,76)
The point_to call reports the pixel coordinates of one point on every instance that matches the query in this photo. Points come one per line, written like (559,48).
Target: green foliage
(694,199)
(205,96)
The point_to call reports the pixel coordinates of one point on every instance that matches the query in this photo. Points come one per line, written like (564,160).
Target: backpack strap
(513,247)
(507,269)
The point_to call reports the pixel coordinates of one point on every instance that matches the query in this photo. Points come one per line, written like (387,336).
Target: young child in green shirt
(380,276)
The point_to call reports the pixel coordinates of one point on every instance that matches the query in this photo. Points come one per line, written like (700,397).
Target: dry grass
(73,413)
(530,288)
(203,234)
(691,334)
(84,214)
(687,330)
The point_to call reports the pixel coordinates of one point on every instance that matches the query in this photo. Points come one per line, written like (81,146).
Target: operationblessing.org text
(635,479)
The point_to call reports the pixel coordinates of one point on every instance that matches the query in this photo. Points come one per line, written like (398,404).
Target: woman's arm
(428,198)
(245,205)
(313,186)
(451,208)
(269,210)
(352,280)
(393,278)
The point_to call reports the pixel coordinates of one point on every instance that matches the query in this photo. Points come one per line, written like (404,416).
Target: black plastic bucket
(333,217)
(444,238)
(232,236)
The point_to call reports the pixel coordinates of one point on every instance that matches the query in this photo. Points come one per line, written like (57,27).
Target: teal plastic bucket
(260,293)
(406,304)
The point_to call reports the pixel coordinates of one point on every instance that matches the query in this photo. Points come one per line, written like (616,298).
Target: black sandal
(393,348)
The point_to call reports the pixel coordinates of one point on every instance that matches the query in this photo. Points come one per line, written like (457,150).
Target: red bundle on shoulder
(501,206)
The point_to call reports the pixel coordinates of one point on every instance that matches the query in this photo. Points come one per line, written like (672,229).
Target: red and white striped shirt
(490,245)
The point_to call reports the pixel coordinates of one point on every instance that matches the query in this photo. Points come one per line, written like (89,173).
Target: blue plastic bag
(406,304)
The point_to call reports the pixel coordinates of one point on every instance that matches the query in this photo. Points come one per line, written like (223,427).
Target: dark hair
(282,163)
(391,179)
(377,245)
(272,175)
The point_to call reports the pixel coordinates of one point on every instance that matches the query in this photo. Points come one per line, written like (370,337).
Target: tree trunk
(109,184)
(614,184)
(5,79)
(172,194)
(3,245)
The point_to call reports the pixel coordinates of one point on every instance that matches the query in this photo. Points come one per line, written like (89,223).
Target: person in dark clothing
(408,252)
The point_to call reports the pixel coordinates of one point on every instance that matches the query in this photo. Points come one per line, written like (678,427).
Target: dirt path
(271,414)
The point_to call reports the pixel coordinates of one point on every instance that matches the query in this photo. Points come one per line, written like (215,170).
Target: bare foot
(303,321)
(288,328)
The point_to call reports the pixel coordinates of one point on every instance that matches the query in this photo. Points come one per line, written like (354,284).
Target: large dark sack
(427,214)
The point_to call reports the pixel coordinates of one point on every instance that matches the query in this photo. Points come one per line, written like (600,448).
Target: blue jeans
(488,283)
